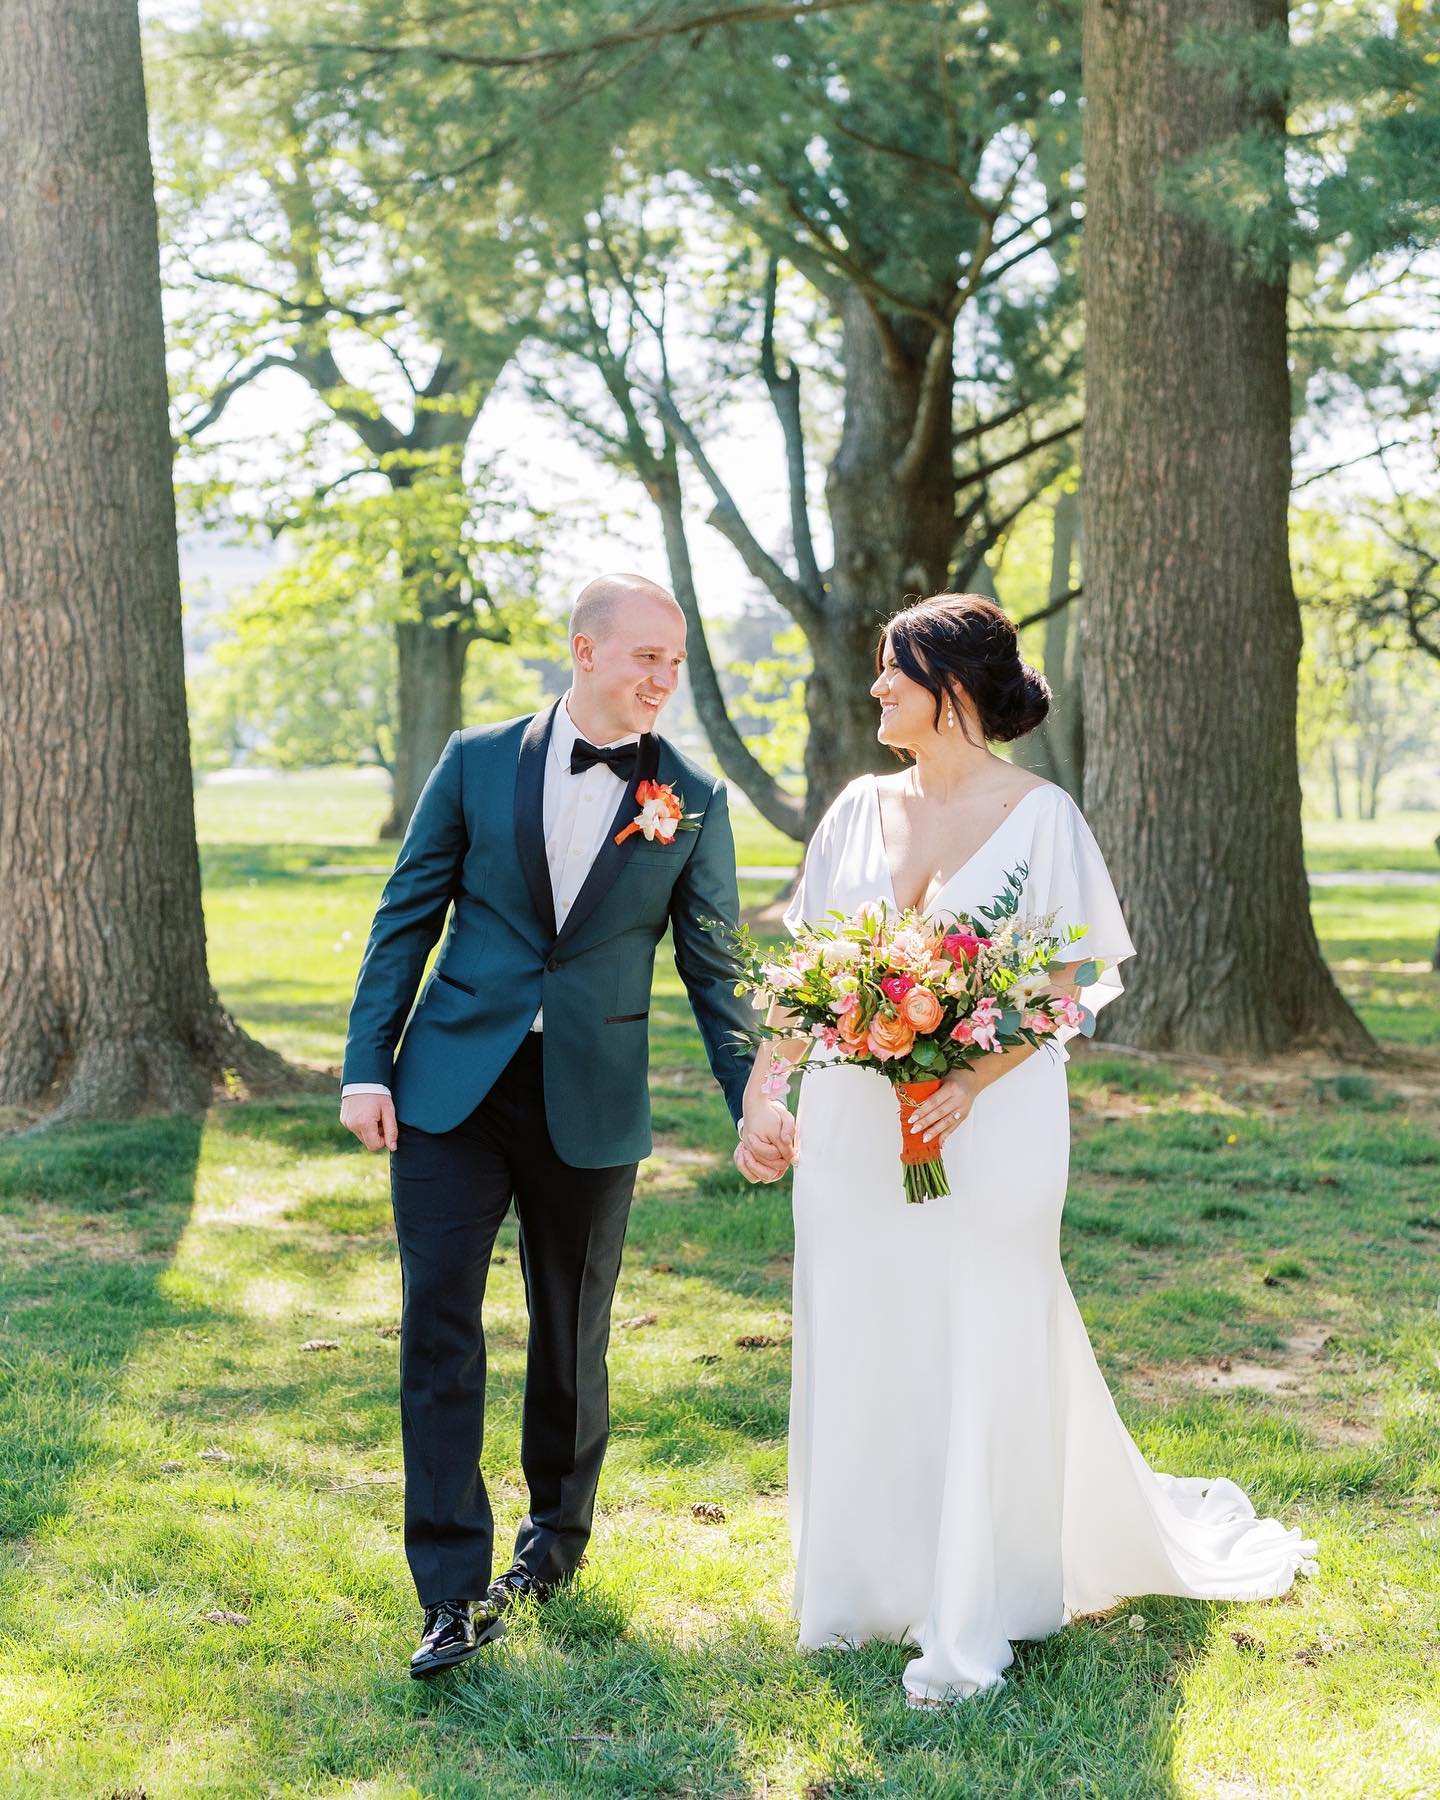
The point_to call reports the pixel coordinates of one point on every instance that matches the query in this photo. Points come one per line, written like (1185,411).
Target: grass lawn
(203,1589)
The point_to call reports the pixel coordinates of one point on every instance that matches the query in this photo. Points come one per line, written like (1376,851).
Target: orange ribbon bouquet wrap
(913,998)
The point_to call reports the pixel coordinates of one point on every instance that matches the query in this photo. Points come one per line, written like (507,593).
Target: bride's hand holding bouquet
(931,1004)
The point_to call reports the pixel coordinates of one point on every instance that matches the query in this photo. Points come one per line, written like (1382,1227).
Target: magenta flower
(963,946)
(896,987)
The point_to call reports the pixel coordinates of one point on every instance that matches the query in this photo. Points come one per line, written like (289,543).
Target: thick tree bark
(891,496)
(105,1004)
(1192,630)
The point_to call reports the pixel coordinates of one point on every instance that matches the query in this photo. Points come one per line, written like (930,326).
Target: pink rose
(896,987)
(846,1004)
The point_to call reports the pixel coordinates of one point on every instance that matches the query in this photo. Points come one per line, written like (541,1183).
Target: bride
(959,1476)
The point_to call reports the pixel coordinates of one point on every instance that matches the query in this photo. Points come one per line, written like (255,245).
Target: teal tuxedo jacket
(476,842)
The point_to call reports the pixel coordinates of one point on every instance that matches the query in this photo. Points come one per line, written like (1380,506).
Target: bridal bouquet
(914,997)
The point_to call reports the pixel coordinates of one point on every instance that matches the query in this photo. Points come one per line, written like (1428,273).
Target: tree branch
(226,392)
(784,391)
(730,523)
(914,159)
(1349,463)
(1049,611)
(761,14)
(995,529)
(379,434)
(934,404)
(1063,230)
(301,309)
(986,470)
(737,761)
(969,433)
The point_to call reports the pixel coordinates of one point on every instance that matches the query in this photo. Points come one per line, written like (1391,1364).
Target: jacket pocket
(627,1018)
(450,981)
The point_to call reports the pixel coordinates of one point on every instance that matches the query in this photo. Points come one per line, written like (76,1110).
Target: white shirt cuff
(364,1087)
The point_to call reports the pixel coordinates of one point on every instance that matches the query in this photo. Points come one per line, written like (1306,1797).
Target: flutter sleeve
(815,893)
(1077,888)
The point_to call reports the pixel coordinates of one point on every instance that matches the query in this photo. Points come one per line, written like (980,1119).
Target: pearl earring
(950,714)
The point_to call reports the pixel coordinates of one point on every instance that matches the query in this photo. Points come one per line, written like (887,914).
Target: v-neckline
(925,909)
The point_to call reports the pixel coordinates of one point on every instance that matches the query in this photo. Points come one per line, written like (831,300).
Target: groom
(522,1076)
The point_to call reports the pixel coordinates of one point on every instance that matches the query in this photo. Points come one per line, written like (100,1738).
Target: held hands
(372,1118)
(946,1109)
(767,1143)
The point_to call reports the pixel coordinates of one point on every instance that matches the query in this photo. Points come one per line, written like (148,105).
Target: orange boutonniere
(662,813)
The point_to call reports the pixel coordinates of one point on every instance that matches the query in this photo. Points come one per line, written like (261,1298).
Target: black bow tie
(620,759)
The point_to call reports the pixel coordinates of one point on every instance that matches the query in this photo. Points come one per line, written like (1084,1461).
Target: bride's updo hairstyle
(965,641)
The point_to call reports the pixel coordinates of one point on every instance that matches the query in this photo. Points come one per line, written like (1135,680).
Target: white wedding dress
(959,1476)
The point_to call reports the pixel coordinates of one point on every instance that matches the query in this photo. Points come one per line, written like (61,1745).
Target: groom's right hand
(767,1142)
(372,1118)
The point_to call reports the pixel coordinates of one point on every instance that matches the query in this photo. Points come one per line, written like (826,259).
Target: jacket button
(553,964)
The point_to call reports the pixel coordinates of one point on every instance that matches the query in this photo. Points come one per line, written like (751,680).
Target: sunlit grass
(1254,1257)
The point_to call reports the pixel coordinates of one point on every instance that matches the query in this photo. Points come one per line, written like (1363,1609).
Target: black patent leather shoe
(517,1584)
(452,1634)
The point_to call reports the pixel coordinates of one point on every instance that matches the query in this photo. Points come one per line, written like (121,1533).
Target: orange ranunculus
(921,1009)
(890,1036)
(853,1033)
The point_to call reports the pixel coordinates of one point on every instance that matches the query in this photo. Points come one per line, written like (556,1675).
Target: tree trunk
(105,1003)
(1192,630)
(1064,642)
(431,659)
(1056,749)
(893,518)
(1337,790)
(1374,775)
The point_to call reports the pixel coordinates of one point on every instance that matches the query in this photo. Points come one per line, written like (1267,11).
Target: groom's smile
(629,648)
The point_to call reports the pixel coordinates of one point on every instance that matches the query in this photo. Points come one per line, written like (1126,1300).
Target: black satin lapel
(530,816)
(611,857)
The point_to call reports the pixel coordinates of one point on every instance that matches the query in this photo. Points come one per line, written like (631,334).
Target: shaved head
(627,648)
(601,602)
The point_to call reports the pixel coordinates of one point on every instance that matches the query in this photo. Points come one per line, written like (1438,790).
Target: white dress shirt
(578,811)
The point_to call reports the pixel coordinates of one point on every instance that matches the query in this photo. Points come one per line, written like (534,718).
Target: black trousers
(450,1192)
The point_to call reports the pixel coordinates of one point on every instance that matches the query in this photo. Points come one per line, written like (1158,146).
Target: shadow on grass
(90,1218)
(235,865)
(579,1699)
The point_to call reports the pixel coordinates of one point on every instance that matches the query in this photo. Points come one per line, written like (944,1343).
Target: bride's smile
(906,708)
